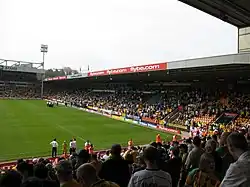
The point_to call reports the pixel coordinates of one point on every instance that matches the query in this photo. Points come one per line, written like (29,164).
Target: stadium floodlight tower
(44,49)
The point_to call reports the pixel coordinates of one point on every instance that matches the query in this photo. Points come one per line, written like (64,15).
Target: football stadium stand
(207,97)
(20,79)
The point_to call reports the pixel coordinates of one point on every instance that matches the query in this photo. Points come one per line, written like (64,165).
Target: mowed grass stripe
(28,126)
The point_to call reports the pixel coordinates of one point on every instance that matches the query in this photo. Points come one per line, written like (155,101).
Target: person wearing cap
(152,175)
(116,169)
(64,171)
(87,176)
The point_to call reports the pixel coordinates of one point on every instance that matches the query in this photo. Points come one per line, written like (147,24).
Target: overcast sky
(110,33)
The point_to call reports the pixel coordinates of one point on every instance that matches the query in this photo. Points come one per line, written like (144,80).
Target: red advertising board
(133,69)
(169,130)
(57,78)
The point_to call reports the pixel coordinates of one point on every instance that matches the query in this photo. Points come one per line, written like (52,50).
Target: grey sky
(110,33)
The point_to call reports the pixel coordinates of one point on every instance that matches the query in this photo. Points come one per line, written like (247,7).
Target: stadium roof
(21,66)
(193,69)
(235,12)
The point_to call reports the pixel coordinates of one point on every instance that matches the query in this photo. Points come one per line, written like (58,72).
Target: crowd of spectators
(186,108)
(26,92)
(19,85)
(221,160)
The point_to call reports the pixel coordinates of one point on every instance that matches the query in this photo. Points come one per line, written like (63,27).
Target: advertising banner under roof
(132,69)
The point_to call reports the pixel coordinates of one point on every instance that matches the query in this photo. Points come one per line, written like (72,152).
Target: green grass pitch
(28,126)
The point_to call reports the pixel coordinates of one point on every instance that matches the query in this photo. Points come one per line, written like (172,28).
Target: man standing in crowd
(194,156)
(86,175)
(238,173)
(64,172)
(152,175)
(116,169)
(54,145)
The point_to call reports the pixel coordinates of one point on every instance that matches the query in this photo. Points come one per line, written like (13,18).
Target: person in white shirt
(106,156)
(72,146)
(152,175)
(54,145)
(238,173)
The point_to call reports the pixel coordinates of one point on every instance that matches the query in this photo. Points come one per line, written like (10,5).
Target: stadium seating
(162,108)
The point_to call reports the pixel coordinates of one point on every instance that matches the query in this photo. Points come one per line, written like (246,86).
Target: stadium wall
(244,40)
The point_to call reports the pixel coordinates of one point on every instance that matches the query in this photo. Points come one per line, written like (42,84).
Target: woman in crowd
(205,175)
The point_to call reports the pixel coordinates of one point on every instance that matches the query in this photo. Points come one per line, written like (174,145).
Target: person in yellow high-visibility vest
(64,149)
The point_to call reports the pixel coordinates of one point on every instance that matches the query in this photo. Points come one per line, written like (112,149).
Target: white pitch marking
(71,132)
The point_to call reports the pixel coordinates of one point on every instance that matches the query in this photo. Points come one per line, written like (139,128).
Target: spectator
(210,148)
(40,171)
(183,155)
(116,169)
(95,162)
(65,174)
(204,175)
(152,175)
(51,172)
(174,166)
(189,144)
(10,179)
(35,182)
(82,157)
(25,169)
(238,173)
(223,152)
(139,164)
(215,138)
(106,156)
(194,155)
(183,152)
(87,176)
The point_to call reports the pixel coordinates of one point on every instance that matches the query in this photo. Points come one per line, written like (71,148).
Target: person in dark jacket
(174,165)
(116,169)
(211,149)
